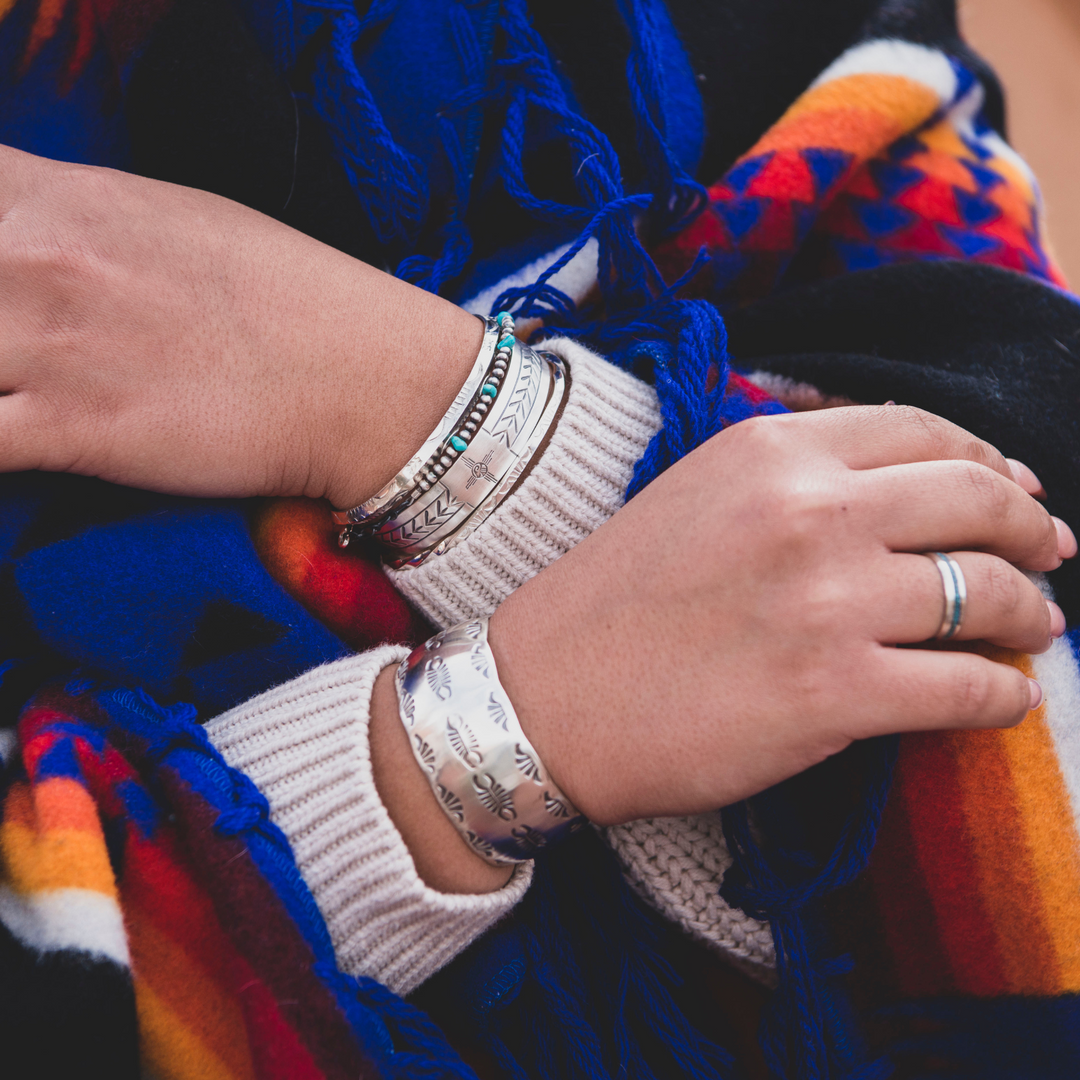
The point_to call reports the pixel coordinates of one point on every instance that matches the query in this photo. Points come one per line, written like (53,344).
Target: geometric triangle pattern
(864,170)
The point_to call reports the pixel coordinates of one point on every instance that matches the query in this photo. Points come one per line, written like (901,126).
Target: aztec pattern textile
(134,860)
(886,158)
(151,919)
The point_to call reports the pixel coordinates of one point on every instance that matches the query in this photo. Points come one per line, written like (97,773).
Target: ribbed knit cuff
(578,484)
(305,744)
(677,865)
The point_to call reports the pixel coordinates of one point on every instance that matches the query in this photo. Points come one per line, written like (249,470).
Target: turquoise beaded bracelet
(368,516)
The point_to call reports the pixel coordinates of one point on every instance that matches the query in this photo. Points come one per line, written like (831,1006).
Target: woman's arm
(165,338)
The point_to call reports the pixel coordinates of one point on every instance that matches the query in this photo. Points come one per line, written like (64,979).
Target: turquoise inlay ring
(952,578)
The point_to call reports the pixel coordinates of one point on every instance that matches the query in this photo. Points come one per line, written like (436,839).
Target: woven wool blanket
(880,241)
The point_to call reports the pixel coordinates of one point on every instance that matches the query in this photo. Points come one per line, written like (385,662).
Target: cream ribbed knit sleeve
(305,744)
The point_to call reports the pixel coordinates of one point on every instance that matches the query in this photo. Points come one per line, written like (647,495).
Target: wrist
(414,353)
(542,670)
(442,858)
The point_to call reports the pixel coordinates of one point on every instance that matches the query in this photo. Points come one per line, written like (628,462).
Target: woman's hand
(733,624)
(169,339)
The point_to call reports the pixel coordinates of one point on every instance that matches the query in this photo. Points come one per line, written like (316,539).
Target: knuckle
(927,424)
(982,483)
(762,434)
(913,415)
(972,691)
(1001,588)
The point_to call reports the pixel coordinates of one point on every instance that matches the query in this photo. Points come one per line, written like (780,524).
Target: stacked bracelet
(466,737)
(482,449)
(401,487)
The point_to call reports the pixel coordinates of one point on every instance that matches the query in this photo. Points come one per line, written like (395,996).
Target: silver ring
(952,577)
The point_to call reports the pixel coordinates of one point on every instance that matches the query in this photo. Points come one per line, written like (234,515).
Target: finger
(1003,607)
(959,505)
(872,436)
(929,690)
(1026,478)
(21,435)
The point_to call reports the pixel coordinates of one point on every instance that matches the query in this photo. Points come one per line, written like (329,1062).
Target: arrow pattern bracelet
(484,454)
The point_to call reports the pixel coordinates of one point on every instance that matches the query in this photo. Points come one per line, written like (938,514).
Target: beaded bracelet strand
(458,443)
(444,455)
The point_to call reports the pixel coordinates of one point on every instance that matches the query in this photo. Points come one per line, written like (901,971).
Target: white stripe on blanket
(890,56)
(1059,676)
(67,919)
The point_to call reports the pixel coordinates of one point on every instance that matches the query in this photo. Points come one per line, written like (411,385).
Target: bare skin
(173,340)
(730,627)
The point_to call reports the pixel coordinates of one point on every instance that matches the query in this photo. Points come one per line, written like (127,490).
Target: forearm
(442,858)
(206,349)
(306,745)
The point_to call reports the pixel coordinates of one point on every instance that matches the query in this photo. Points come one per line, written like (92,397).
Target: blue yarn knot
(250,809)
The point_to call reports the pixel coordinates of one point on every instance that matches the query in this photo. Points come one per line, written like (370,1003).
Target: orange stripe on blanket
(170,1050)
(984,824)
(859,114)
(157,886)
(297,543)
(59,802)
(1050,832)
(943,142)
(201,1004)
(1006,874)
(49,14)
(57,858)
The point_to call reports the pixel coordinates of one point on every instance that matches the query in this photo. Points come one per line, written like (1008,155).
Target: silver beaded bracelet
(483,448)
(466,737)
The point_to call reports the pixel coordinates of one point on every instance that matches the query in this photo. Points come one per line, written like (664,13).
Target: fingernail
(1057,619)
(890,402)
(1025,477)
(1066,539)
(1036,694)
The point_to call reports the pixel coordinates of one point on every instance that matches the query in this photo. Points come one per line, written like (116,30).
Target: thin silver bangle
(402,484)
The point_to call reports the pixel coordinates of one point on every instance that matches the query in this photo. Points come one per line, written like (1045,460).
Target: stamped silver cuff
(466,737)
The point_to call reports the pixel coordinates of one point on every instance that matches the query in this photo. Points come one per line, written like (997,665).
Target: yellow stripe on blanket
(858,114)
(52,839)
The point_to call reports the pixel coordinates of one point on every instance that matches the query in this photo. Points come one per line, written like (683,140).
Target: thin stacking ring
(952,577)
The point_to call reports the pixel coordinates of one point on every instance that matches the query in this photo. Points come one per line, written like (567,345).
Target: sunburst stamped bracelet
(467,740)
(481,450)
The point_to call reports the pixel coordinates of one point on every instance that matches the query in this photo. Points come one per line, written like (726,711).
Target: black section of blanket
(205,109)
(994,351)
(65,1013)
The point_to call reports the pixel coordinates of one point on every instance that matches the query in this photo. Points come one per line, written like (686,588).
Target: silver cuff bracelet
(466,738)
